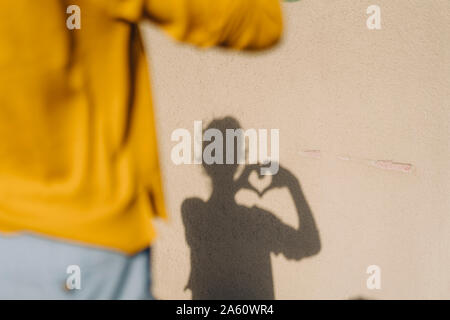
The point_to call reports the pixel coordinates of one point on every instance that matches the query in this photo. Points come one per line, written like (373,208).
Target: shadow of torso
(230,250)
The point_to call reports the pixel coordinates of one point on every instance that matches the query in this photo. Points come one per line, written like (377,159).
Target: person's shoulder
(255,209)
(261,214)
(191,205)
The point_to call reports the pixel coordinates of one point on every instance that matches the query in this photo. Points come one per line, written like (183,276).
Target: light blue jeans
(33,267)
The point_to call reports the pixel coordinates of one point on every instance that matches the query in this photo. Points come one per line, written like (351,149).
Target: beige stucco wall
(354,96)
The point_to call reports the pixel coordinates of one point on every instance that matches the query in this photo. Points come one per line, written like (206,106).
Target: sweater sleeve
(240,24)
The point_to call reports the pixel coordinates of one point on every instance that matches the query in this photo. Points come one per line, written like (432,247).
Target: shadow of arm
(304,241)
(190,210)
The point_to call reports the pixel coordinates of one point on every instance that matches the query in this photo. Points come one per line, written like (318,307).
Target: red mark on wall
(380,164)
(391,165)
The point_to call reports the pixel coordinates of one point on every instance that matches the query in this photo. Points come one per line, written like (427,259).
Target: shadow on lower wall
(230,244)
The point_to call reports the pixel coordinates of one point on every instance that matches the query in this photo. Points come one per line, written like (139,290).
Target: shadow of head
(225,164)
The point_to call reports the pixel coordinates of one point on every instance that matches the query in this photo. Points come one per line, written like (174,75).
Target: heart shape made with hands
(260,183)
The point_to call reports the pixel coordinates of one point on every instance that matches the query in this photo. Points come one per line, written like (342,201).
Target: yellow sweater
(78,152)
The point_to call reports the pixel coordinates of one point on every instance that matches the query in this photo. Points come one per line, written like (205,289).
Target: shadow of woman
(230,244)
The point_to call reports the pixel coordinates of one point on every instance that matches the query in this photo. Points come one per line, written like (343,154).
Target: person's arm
(294,243)
(240,24)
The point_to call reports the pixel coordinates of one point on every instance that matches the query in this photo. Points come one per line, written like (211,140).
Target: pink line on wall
(380,164)
(391,165)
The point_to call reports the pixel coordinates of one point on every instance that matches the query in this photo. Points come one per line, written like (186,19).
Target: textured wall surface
(364,127)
